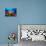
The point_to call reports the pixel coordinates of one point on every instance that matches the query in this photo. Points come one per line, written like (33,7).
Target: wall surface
(28,12)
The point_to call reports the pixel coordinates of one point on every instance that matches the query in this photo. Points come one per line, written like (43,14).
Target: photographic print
(10,11)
